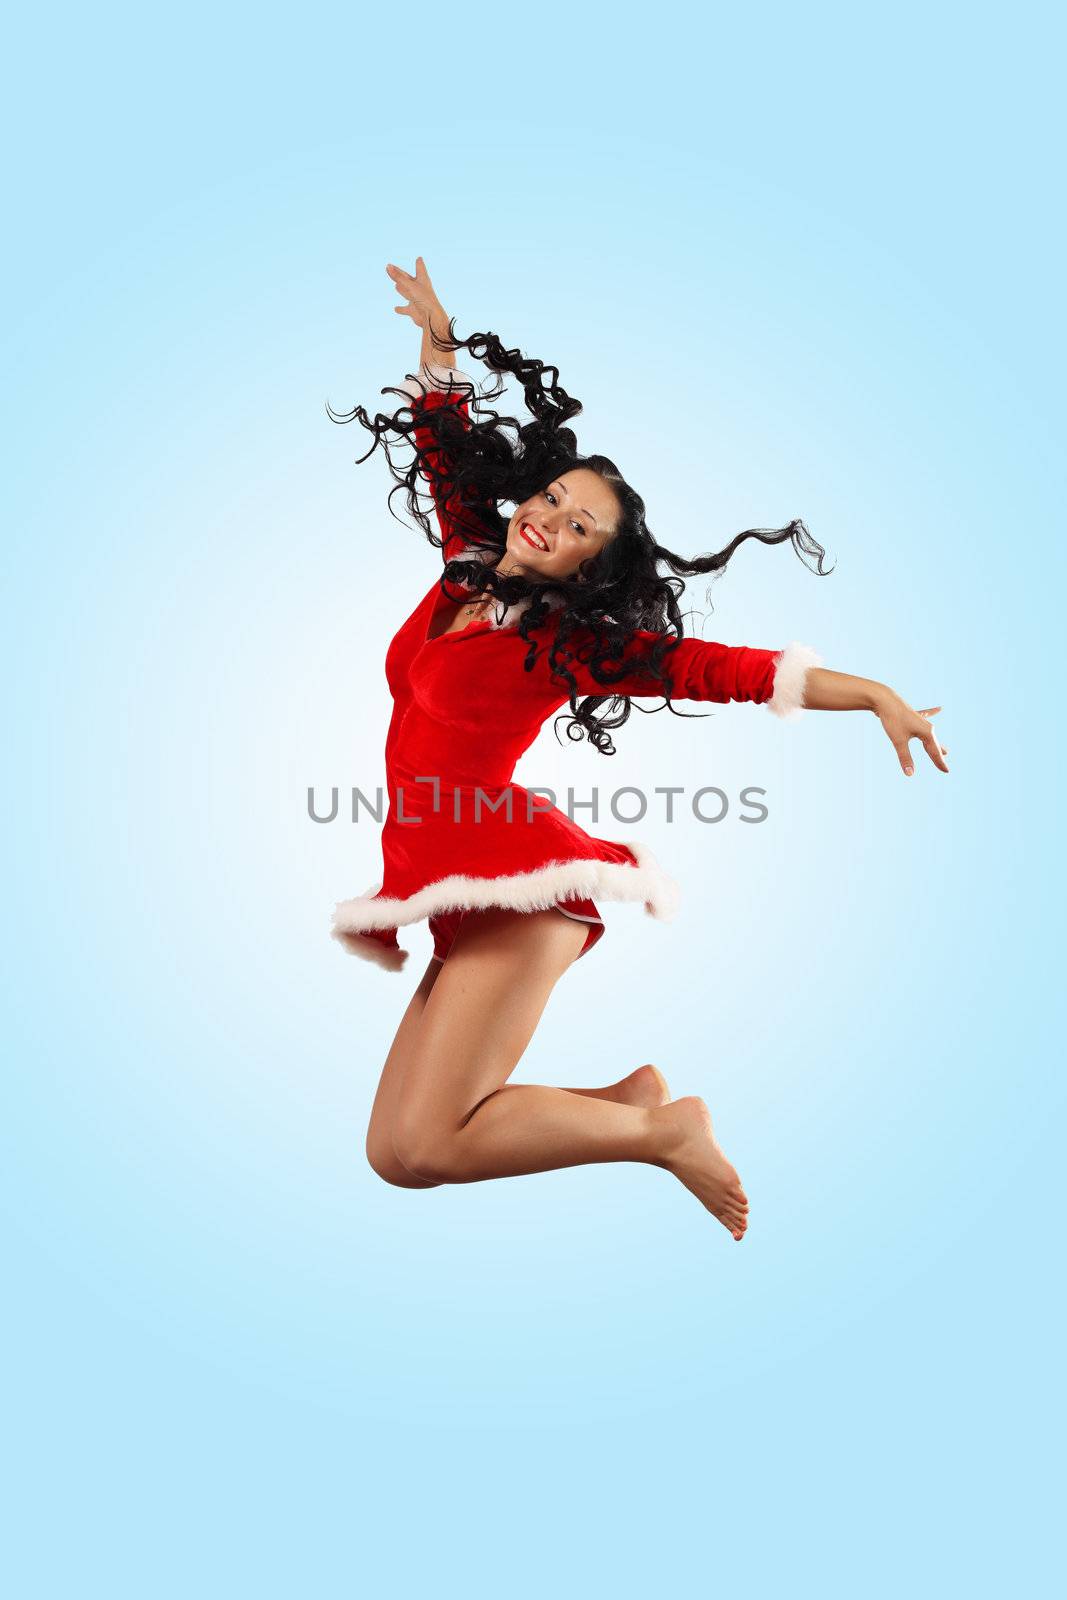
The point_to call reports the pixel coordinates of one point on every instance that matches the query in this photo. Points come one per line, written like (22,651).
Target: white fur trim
(522,891)
(512,613)
(790,674)
(434,375)
(371,949)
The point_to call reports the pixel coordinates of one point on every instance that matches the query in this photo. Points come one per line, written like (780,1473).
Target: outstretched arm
(699,669)
(839,691)
(787,682)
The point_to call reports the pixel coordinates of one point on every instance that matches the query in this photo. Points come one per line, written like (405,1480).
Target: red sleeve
(698,670)
(451,514)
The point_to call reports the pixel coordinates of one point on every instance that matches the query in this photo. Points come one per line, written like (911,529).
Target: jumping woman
(560,604)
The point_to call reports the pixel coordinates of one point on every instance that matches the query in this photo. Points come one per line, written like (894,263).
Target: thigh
(481,1014)
(380,1152)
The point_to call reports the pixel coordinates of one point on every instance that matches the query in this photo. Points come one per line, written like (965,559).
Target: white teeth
(535,536)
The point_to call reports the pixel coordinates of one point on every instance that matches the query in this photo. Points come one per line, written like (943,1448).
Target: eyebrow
(589,514)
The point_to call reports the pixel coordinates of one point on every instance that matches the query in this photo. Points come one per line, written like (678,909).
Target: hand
(902,724)
(418,291)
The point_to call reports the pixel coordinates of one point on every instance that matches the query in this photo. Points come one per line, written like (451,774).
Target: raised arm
(424,309)
(438,382)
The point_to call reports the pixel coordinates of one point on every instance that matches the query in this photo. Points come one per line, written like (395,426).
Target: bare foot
(645,1086)
(691,1151)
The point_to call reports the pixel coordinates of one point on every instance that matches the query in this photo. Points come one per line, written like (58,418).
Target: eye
(574,524)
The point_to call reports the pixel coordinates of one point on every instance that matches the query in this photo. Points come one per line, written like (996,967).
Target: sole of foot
(691,1151)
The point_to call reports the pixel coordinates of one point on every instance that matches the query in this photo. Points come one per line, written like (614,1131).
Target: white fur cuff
(789,678)
(434,375)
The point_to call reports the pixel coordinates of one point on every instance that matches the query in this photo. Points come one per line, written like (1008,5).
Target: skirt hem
(391,957)
(589,878)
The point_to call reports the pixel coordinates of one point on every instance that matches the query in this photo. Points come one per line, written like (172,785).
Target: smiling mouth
(531,537)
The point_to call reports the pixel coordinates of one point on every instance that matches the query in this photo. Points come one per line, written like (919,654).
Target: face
(569,521)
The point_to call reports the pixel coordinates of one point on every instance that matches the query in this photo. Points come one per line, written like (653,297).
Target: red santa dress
(459,834)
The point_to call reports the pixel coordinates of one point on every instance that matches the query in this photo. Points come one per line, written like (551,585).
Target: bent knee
(387,1164)
(421,1154)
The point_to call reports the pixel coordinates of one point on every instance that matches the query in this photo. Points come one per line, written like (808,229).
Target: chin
(523,552)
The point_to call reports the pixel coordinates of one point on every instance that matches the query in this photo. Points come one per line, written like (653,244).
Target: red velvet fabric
(458,832)
(445,925)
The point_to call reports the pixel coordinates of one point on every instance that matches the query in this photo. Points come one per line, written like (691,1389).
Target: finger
(943,747)
(901,744)
(931,712)
(933,750)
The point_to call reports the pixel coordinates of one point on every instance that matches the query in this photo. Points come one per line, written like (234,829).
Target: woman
(560,600)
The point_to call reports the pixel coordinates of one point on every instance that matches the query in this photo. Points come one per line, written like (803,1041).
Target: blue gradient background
(801,264)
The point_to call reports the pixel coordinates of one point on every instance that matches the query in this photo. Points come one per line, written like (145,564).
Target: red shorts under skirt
(444,925)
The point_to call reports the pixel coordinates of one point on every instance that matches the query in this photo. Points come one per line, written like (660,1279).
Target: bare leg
(458,1121)
(379,1146)
(646,1086)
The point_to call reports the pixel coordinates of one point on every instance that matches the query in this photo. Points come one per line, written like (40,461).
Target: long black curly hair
(476,465)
